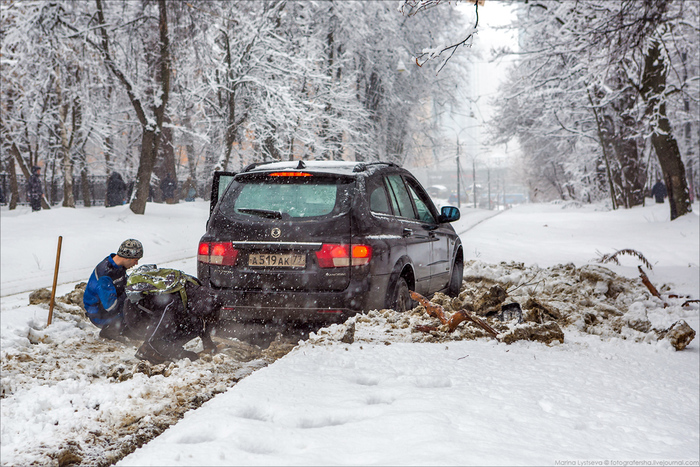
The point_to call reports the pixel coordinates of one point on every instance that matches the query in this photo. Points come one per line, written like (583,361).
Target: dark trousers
(162,322)
(35,203)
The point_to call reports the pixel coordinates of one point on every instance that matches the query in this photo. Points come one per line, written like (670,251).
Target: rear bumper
(288,306)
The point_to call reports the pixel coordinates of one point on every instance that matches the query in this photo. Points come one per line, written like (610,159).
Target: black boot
(147,352)
(113,331)
(187,354)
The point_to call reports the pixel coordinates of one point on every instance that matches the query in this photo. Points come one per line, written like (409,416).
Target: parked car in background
(319,241)
(438,191)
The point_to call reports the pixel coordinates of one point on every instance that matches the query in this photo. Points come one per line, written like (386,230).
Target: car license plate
(277,260)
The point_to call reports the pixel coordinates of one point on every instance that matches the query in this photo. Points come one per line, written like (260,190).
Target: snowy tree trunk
(85,183)
(665,144)
(165,161)
(10,161)
(632,168)
(67,161)
(150,127)
(191,161)
(67,169)
(227,100)
(149,149)
(603,145)
(152,130)
(14,188)
(622,137)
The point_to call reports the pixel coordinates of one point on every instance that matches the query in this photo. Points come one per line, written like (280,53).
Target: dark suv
(321,241)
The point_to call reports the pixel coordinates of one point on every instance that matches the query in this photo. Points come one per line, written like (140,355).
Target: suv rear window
(286,197)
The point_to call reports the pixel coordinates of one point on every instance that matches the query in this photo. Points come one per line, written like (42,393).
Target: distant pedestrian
(168,186)
(106,289)
(659,192)
(116,190)
(34,189)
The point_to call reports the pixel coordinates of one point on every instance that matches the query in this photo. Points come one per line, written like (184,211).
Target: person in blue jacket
(105,292)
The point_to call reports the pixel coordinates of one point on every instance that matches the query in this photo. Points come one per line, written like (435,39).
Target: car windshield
(285,198)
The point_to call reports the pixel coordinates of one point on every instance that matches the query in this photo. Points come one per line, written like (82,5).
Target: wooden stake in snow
(55,279)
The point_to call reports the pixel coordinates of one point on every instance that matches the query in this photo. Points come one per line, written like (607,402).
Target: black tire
(456,278)
(402,299)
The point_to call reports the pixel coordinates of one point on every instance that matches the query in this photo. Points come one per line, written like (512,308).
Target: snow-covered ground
(395,395)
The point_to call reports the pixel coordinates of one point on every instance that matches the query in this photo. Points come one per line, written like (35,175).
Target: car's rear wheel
(402,297)
(456,278)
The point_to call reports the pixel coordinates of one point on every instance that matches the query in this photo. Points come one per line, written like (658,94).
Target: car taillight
(222,253)
(290,174)
(337,255)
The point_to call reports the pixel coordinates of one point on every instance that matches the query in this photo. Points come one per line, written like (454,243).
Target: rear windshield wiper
(262,213)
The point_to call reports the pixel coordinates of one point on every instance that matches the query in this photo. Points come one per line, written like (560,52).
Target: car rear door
(283,228)
(442,238)
(414,231)
(219,184)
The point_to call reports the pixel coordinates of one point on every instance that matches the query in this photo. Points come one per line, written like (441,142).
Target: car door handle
(407,232)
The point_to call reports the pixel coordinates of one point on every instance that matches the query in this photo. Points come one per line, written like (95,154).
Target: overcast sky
(487,73)
(492,17)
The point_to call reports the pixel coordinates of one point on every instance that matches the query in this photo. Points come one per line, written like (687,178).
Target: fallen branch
(461,315)
(435,310)
(688,302)
(648,283)
(650,286)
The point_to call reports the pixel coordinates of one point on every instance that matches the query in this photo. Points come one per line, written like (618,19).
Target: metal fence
(53,192)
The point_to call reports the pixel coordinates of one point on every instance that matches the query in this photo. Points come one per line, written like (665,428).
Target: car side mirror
(448,214)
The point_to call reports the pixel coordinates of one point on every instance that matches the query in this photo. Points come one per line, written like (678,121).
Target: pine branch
(606,258)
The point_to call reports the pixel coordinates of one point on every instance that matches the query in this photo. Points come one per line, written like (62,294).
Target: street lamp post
(459,189)
(488,177)
(459,170)
(474,181)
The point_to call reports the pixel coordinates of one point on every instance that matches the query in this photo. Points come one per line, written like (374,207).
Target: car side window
(378,201)
(400,198)
(424,213)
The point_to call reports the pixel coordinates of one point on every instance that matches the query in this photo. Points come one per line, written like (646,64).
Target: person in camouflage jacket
(167,308)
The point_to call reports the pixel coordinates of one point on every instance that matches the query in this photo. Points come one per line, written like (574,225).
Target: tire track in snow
(487,215)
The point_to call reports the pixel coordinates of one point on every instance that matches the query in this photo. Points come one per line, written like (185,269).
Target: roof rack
(300,165)
(256,164)
(359,167)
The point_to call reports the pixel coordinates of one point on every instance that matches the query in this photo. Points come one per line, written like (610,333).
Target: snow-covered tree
(136,86)
(605,78)
(42,87)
